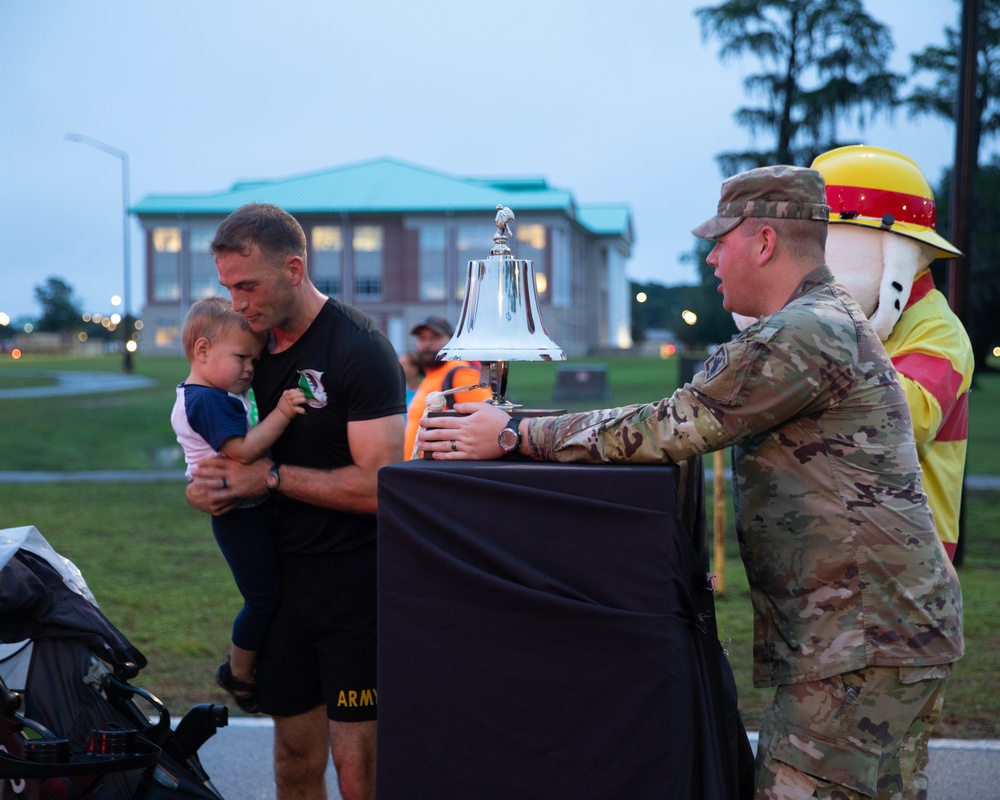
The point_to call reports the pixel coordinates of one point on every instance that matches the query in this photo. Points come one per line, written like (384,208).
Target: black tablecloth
(547,630)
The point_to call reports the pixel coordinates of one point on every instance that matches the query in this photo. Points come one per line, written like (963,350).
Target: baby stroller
(71,726)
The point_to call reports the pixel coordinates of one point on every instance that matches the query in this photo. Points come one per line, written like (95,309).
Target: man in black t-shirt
(316,670)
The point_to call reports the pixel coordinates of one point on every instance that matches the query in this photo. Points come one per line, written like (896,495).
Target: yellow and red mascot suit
(881,242)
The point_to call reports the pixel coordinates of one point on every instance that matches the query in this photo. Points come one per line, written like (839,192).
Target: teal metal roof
(378,186)
(386,185)
(606,219)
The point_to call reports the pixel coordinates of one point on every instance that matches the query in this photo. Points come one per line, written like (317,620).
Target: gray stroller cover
(71,726)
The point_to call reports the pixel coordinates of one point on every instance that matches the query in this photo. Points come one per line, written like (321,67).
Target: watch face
(508,439)
(271,479)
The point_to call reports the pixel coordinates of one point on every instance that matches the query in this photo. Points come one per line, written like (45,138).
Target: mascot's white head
(877,269)
(882,229)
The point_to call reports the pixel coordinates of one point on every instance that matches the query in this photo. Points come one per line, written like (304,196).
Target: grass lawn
(154,567)
(972,708)
(158,575)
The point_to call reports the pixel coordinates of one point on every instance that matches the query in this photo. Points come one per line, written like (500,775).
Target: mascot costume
(880,245)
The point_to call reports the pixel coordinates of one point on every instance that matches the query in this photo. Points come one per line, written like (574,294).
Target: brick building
(395,240)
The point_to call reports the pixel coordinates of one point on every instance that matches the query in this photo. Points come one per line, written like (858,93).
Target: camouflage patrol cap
(779,192)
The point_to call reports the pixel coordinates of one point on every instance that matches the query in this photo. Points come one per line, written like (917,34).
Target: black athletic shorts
(321,647)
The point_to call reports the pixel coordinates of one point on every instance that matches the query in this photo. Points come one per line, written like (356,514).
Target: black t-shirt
(351,372)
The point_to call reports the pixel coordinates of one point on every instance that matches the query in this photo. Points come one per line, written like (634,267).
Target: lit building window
(166,264)
(326,268)
(532,236)
(531,247)
(167,334)
(167,240)
(367,244)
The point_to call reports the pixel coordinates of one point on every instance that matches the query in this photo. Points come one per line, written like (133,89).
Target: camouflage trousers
(862,734)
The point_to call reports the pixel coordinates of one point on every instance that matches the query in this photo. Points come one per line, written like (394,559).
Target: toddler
(213,415)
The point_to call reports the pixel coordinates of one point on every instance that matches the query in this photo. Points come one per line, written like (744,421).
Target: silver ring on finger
(224,484)
(454,447)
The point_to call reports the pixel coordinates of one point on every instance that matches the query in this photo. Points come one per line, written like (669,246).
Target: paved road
(239,760)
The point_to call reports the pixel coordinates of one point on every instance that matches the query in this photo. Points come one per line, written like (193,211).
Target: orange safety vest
(448,375)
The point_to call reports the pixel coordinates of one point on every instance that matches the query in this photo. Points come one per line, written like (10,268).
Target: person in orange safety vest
(432,334)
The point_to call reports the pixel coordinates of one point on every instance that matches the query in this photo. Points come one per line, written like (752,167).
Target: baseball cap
(778,192)
(439,325)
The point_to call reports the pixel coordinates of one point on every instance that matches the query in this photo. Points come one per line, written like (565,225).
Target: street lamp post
(126,238)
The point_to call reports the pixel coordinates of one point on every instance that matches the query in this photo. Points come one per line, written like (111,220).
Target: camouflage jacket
(844,565)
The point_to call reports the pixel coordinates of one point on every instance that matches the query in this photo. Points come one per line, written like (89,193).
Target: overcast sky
(616,102)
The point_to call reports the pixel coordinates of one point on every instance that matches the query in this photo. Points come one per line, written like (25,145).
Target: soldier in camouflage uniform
(857,609)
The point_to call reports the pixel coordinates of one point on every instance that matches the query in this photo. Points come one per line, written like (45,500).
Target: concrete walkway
(68,382)
(972,482)
(94,476)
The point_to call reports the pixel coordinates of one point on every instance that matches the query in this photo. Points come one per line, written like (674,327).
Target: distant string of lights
(109,322)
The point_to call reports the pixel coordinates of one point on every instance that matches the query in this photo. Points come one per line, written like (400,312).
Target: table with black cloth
(547,630)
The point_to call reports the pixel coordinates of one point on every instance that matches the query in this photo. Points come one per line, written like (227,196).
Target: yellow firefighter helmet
(881,189)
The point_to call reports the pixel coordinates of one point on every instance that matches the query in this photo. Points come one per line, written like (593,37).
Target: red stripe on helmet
(857,201)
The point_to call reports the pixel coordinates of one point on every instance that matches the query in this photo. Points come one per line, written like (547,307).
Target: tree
(60,309)
(821,61)
(665,304)
(7,332)
(715,322)
(983,318)
(942,63)
(938,98)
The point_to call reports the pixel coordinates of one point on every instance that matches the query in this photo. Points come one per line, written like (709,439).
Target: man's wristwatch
(272,478)
(510,438)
